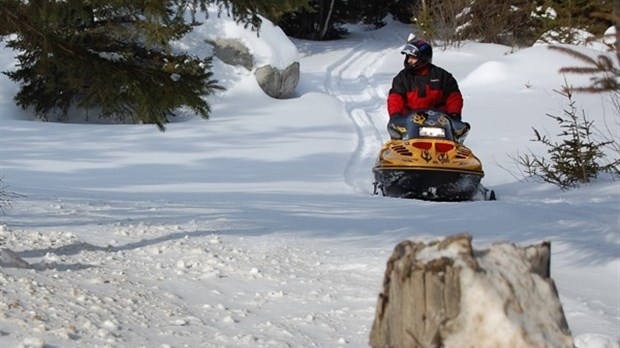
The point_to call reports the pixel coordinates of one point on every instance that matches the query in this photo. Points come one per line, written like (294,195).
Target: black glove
(455,116)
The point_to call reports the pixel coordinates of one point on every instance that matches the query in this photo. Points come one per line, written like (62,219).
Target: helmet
(420,49)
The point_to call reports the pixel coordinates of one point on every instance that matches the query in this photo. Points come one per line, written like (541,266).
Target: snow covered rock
(278,83)
(445,294)
(232,52)
(274,81)
(269,54)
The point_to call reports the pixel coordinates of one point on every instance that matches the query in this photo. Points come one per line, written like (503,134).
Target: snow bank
(269,46)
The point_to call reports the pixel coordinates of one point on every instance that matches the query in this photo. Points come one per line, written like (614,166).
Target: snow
(258,227)
(269,46)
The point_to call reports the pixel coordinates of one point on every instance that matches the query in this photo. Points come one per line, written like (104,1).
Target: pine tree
(372,13)
(319,20)
(578,158)
(248,10)
(571,17)
(503,22)
(402,10)
(113,56)
(576,14)
(425,22)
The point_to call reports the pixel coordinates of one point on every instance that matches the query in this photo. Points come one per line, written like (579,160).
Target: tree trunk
(616,13)
(436,295)
(325,25)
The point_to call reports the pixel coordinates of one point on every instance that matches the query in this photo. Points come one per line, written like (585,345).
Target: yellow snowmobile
(426,159)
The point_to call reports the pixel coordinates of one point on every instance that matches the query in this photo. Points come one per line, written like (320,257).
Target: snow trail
(350,79)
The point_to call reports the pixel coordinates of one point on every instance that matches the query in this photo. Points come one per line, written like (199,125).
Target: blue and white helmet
(420,49)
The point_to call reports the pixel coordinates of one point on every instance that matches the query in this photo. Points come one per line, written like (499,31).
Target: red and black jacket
(429,87)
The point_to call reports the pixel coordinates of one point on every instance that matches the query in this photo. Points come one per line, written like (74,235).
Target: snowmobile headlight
(432,132)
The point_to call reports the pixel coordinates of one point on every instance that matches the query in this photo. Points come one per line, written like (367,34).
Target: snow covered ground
(258,227)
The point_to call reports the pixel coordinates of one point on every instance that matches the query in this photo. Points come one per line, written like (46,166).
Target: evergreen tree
(425,21)
(372,13)
(319,20)
(270,9)
(441,21)
(402,10)
(572,16)
(577,14)
(324,19)
(112,56)
(248,11)
(523,22)
(503,22)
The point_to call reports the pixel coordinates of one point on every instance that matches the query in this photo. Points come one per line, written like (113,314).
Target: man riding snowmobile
(421,86)
(426,158)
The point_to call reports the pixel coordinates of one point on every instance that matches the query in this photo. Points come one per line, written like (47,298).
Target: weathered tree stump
(445,294)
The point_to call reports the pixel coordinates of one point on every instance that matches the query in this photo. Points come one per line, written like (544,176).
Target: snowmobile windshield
(422,124)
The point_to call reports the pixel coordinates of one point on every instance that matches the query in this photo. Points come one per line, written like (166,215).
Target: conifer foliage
(577,159)
(110,56)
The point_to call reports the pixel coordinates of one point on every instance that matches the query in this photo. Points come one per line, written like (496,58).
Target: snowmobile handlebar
(427,124)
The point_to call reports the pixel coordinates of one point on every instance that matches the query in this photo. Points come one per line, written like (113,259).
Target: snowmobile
(426,159)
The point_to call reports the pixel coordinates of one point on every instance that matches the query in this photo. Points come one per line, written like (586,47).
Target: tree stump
(445,294)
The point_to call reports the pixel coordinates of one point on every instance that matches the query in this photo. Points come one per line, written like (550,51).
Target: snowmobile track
(350,78)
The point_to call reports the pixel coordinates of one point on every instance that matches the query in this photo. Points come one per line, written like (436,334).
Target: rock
(278,83)
(290,80)
(445,294)
(233,52)
(8,258)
